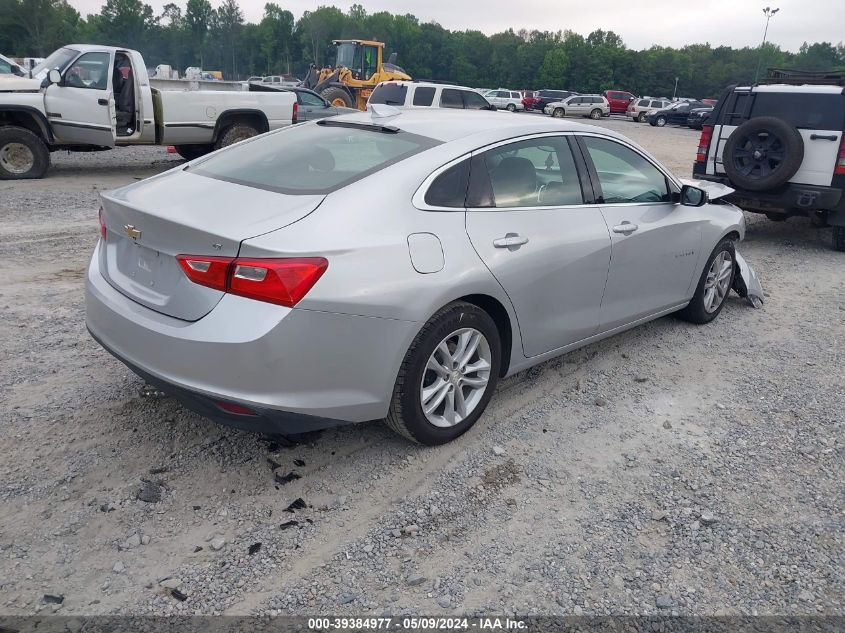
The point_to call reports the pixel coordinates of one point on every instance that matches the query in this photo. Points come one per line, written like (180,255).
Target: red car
(619,100)
(529,98)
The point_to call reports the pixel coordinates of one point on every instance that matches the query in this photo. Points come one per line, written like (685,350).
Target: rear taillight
(840,159)
(704,143)
(295,118)
(102,224)
(283,281)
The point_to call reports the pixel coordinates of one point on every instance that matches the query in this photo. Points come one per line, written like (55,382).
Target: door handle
(824,137)
(510,240)
(103,101)
(625,228)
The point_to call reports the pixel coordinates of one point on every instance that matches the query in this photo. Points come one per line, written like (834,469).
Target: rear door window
(424,96)
(537,172)
(389,94)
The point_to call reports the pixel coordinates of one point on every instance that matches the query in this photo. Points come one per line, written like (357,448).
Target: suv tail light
(704,143)
(295,117)
(840,159)
(283,280)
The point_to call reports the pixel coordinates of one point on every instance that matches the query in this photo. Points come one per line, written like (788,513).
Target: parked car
(593,106)
(529,97)
(618,100)
(9,67)
(263,319)
(781,147)
(87,98)
(422,94)
(545,97)
(675,114)
(639,109)
(313,106)
(698,117)
(505,99)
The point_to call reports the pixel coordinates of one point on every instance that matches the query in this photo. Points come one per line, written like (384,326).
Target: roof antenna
(383,111)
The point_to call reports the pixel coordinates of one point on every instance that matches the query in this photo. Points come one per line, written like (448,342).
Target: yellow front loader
(358,70)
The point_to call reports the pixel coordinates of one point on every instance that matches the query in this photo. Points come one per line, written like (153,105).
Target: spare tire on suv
(763,153)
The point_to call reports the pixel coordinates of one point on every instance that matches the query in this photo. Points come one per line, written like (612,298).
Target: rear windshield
(312,158)
(810,110)
(389,94)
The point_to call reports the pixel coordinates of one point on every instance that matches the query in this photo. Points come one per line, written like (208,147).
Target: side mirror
(16,70)
(54,76)
(693,196)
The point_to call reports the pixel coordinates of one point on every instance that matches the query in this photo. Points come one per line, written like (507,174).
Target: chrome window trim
(418,199)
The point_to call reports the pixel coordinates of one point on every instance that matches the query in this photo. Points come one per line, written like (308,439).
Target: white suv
(641,108)
(593,106)
(781,147)
(505,99)
(421,94)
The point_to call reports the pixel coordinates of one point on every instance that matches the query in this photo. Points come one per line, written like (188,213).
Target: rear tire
(235,133)
(595,115)
(642,117)
(406,415)
(702,308)
(511,107)
(23,154)
(839,238)
(763,153)
(190,152)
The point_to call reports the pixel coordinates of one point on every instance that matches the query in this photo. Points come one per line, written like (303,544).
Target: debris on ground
(150,492)
(181,597)
(297,504)
(288,524)
(52,599)
(254,548)
(286,479)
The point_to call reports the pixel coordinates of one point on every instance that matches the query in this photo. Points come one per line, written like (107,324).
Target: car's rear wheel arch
(254,119)
(499,314)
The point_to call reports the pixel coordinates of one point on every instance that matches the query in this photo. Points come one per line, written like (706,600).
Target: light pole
(675,91)
(769,13)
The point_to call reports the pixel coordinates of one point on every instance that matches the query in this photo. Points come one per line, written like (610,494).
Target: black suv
(781,147)
(545,97)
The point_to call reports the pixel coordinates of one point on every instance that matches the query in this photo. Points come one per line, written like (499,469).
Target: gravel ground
(671,469)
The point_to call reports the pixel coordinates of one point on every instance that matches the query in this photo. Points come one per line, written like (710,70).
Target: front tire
(660,121)
(190,152)
(447,377)
(558,113)
(338,97)
(22,154)
(714,286)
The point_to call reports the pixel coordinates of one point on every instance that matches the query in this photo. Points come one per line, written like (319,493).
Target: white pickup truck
(87,98)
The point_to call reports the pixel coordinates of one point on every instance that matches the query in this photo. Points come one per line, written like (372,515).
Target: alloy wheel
(455,377)
(718,281)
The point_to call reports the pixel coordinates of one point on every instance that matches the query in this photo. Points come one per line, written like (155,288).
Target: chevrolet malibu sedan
(396,264)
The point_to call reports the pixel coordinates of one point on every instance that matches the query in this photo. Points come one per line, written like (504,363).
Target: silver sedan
(395,265)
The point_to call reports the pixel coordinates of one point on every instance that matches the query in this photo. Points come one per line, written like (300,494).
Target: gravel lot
(673,468)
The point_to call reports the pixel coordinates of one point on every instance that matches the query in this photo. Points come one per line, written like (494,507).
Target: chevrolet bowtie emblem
(131,231)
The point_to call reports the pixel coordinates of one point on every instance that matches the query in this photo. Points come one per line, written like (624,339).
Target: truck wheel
(22,154)
(839,238)
(234,134)
(338,97)
(763,153)
(190,152)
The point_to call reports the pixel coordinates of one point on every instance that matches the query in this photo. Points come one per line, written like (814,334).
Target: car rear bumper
(790,198)
(297,369)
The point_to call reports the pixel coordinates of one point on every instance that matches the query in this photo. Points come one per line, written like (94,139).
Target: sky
(640,23)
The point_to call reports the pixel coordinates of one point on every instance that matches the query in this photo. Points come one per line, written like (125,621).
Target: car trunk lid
(180,213)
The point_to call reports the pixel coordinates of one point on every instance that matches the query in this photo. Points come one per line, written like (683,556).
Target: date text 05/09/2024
(416,624)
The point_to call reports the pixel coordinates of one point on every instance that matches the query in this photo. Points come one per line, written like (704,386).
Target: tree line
(219,38)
